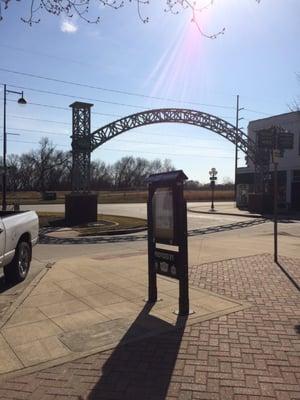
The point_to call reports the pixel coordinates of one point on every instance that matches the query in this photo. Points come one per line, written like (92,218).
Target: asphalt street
(139,210)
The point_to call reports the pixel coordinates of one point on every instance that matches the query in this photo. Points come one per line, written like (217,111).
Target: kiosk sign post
(167,225)
(275,140)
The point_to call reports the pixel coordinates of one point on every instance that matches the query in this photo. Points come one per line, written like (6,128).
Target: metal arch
(169,115)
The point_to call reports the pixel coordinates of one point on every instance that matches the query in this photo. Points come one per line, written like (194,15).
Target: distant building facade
(288,167)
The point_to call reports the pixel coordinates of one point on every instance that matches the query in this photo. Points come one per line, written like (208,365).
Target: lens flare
(173,71)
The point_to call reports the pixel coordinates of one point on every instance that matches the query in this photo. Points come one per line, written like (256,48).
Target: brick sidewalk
(250,354)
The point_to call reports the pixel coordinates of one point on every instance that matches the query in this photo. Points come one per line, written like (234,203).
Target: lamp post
(213,177)
(21,101)
(238,119)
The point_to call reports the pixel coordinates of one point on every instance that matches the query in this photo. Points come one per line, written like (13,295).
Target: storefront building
(288,167)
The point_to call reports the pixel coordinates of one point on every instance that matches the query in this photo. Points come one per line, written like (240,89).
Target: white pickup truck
(18,233)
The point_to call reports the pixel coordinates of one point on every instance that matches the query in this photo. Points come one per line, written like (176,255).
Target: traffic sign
(266,139)
(275,138)
(276,155)
(285,140)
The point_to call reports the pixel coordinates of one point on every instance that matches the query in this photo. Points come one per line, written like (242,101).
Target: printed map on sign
(163,215)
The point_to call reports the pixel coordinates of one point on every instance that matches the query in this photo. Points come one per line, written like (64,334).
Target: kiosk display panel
(163,215)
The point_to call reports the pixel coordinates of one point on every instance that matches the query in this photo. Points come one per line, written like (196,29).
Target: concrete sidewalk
(230,208)
(242,343)
(250,354)
(223,209)
(85,305)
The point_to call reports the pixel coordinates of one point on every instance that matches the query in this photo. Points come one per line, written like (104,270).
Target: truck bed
(4,214)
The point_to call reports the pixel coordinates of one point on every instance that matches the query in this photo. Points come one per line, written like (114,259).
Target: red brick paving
(248,355)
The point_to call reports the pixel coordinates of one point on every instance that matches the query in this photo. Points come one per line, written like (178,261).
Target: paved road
(139,210)
(209,247)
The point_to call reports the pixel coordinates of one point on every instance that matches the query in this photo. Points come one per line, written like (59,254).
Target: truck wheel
(17,270)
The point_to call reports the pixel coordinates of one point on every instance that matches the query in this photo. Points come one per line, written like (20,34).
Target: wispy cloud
(68,26)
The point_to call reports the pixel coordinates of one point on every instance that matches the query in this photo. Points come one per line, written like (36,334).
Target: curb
(266,216)
(26,292)
(47,233)
(227,213)
(119,232)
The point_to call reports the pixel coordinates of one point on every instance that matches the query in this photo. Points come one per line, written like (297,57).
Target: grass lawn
(106,223)
(110,197)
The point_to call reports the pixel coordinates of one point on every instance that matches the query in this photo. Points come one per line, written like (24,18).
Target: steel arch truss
(81,146)
(170,115)
(84,142)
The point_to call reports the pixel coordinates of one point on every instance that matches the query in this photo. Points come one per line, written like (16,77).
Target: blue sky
(257,58)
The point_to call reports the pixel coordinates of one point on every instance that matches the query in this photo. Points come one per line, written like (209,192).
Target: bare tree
(130,172)
(81,9)
(192,185)
(101,175)
(13,172)
(47,163)
(295,105)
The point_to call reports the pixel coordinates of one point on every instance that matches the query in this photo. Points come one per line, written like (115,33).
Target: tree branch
(80,8)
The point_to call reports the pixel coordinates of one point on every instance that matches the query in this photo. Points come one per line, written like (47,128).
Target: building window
(296,175)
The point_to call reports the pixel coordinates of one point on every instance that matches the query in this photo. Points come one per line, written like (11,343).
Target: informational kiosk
(167,225)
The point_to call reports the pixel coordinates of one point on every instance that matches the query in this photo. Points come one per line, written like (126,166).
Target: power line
(165,154)
(39,119)
(167,144)
(120,140)
(25,141)
(88,64)
(39,131)
(257,112)
(64,108)
(87,98)
(141,133)
(77,97)
(69,124)
(132,151)
(47,55)
(115,91)
(67,109)
(112,90)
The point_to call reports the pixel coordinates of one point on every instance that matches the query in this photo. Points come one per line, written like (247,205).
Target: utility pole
(275,159)
(4,153)
(21,101)
(238,109)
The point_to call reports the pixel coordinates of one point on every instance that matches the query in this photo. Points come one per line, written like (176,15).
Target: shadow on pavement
(44,237)
(4,286)
(143,369)
(289,276)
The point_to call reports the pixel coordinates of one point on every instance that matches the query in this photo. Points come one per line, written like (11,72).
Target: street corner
(85,305)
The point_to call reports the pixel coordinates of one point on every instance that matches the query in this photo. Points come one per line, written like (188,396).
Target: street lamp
(21,101)
(213,177)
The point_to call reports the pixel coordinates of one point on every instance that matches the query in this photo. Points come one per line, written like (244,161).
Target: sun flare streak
(173,71)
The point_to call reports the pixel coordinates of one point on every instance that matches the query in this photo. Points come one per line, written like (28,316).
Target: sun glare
(172,72)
